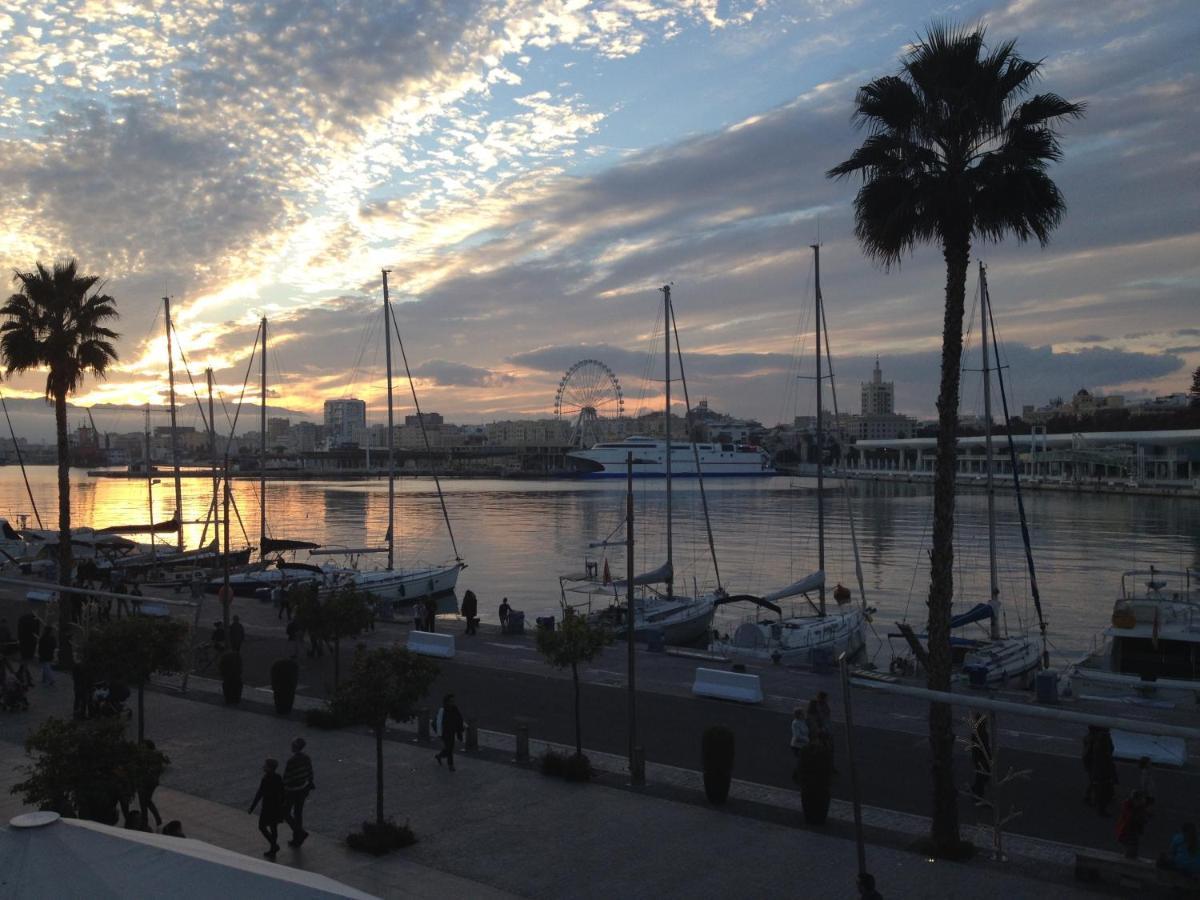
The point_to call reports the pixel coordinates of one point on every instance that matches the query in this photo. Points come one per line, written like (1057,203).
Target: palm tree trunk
(578,726)
(379,773)
(956,249)
(66,602)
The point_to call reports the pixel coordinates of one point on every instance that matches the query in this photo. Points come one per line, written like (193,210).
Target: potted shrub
(231,677)
(285,675)
(716,754)
(816,771)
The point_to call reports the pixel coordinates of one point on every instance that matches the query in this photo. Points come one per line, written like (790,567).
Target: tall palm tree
(957,150)
(54,321)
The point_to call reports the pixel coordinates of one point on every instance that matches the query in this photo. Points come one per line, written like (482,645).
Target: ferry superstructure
(608,460)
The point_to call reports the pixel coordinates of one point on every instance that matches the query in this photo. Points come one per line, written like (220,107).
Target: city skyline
(532,174)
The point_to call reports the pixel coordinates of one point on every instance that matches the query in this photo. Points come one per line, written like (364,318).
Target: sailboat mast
(174,431)
(150,485)
(993,577)
(262,447)
(666,290)
(816,249)
(387,343)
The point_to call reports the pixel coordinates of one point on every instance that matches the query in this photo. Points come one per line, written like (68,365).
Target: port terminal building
(1147,457)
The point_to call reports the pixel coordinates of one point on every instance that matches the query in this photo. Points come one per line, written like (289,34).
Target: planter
(816,773)
(231,677)
(717,754)
(285,675)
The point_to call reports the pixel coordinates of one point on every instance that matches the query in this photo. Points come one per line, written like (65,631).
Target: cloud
(452,374)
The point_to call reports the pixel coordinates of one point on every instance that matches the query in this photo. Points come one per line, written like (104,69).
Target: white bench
(727,686)
(427,643)
(158,610)
(40,596)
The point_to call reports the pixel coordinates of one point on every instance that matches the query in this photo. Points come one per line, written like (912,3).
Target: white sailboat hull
(1003,660)
(794,641)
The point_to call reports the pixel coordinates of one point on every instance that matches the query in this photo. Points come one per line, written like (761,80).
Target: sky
(532,172)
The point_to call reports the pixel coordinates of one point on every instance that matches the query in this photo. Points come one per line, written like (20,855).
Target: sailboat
(1002,657)
(659,612)
(803,639)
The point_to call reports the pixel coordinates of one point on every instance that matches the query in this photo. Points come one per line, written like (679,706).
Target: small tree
(346,614)
(575,642)
(132,649)
(384,683)
(85,768)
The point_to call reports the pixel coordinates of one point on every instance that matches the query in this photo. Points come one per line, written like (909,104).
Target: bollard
(423,725)
(472,735)
(522,742)
(637,773)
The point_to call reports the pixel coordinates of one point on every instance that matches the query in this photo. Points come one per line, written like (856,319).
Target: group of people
(35,644)
(813,724)
(281,798)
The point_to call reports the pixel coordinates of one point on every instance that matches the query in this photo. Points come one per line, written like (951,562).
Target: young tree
(346,614)
(56,321)
(957,151)
(132,649)
(384,683)
(573,643)
(85,768)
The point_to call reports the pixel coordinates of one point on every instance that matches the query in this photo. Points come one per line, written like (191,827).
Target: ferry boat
(608,460)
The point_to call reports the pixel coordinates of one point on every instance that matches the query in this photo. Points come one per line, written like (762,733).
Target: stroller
(109,700)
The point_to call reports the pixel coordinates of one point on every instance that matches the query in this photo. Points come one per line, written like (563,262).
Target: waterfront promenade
(495,829)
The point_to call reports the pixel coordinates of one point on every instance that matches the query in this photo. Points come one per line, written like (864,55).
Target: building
(878,396)
(305,437)
(345,422)
(277,432)
(432,420)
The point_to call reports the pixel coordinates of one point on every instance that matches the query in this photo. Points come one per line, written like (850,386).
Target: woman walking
(270,792)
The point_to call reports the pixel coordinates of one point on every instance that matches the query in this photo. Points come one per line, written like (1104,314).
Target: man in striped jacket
(297,782)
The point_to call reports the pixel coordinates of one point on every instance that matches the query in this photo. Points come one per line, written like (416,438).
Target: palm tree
(55,321)
(957,150)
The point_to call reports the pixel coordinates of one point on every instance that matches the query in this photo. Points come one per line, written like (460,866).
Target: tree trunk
(578,726)
(956,249)
(379,773)
(337,652)
(66,602)
(141,711)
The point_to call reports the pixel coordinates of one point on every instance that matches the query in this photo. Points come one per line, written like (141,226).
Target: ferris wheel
(588,392)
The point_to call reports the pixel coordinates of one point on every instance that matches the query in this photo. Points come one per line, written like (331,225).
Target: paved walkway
(494,829)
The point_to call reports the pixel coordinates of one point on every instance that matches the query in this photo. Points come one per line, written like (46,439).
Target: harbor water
(518,537)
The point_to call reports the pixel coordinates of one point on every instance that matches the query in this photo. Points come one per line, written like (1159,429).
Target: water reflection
(518,537)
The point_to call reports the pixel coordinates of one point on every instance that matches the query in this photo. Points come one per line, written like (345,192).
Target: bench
(40,596)
(724,685)
(157,610)
(428,643)
(1133,873)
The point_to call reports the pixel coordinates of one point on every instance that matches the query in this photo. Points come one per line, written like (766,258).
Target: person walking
(980,745)
(297,783)
(237,635)
(1131,823)
(505,609)
(270,794)
(1146,781)
(47,645)
(148,782)
(799,731)
(28,628)
(470,609)
(450,727)
(826,717)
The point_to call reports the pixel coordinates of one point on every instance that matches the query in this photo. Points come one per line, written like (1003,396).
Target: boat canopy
(976,613)
(171,524)
(273,545)
(661,575)
(808,583)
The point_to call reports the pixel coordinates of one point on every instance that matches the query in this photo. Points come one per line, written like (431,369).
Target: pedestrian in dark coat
(47,646)
(470,609)
(505,609)
(237,634)
(1101,767)
(297,783)
(28,627)
(450,727)
(980,743)
(270,794)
